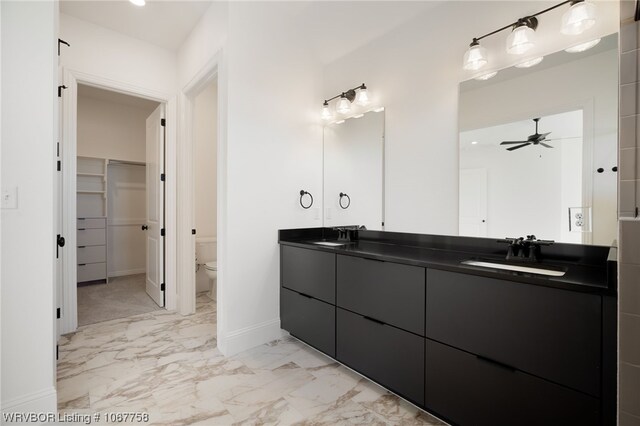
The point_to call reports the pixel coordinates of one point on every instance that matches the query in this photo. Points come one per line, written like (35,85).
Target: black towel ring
(302,194)
(344,194)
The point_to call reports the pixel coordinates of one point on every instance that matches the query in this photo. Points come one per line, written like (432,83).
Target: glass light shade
(343,106)
(326,113)
(362,98)
(474,58)
(138,2)
(582,46)
(579,18)
(530,62)
(487,76)
(520,40)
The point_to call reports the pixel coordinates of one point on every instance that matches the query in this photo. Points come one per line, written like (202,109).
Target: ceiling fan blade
(512,142)
(518,146)
(544,135)
(545,145)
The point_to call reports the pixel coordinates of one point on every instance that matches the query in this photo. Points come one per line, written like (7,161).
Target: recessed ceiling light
(474,142)
(487,76)
(582,46)
(530,62)
(138,2)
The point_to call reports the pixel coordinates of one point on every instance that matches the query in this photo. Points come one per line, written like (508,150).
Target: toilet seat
(212,266)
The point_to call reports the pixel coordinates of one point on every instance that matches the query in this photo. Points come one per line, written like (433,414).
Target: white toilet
(206,266)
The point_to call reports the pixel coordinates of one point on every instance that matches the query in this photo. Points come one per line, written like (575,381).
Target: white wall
(29,108)
(111,130)
(414,72)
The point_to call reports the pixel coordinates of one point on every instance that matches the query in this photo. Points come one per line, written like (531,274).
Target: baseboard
(43,401)
(115,274)
(249,337)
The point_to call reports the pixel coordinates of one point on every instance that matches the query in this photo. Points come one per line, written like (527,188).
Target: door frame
(69,148)
(213,69)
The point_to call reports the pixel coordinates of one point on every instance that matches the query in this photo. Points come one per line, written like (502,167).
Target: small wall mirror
(353,166)
(556,180)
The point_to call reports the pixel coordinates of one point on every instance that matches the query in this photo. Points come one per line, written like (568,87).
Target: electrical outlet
(580,219)
(9,197)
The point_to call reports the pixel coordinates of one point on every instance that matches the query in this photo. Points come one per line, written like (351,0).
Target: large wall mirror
(353,167)
(538,149)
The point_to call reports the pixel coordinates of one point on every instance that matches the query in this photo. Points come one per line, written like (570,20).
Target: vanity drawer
(310,272)
(551,333)
(309,319)
(468,390)
(389,292)
(392,357)
(91,223)
(92,271)
(91,237)
(92,254)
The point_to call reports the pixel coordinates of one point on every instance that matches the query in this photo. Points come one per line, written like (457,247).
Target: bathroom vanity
(472,345)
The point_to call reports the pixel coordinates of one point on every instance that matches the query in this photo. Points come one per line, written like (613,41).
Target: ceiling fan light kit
(580,17)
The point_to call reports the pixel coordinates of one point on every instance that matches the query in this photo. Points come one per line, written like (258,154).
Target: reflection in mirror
(353,166)
(516,181)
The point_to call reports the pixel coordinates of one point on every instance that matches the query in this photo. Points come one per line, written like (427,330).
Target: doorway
(119,205)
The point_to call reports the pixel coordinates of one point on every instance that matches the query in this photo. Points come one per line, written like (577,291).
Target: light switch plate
(9,197)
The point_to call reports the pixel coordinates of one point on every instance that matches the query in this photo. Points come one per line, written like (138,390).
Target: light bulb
(475,57)
(363,97)
(343,106)
(580,17)
(138,2)
(326,112)
(487,76)
(582,46)
(521,39)
(530,62)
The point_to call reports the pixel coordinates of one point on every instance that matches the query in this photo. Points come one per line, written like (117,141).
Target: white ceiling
(116,98)
(163,23)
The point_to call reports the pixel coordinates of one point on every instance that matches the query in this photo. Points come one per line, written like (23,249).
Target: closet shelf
(90,192)
(91,174)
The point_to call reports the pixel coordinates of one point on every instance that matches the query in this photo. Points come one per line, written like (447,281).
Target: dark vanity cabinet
(471,349)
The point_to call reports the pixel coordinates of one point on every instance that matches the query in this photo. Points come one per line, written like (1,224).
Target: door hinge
(636,212)
(193,232)
(61,41)
(162,232)
(163,122)
(60,88)
(58,313)
(59,165)
(162,177)
(162,287)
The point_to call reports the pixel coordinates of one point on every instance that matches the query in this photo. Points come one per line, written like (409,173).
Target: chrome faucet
(525,250)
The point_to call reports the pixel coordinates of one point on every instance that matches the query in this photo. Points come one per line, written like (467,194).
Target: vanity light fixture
(139,3)
(530,62)
(358,94)
(582,46)
(579,18)
(487,76)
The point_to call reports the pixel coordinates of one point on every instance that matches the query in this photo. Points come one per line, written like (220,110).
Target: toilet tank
(206,249)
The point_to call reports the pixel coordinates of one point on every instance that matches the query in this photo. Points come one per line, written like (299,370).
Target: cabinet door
(309,319)
(390,292)
(310,272)
(392,357)
(551,333)
(468,390)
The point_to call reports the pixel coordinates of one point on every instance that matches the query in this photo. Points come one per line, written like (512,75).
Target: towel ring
(344,194)
(302,194)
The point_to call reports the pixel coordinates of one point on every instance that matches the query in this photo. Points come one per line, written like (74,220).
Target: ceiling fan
(535,139)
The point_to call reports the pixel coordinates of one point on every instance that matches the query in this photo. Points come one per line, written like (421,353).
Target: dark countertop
(585,271)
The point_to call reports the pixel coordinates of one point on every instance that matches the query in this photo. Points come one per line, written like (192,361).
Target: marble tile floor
(122,297)
(168,365)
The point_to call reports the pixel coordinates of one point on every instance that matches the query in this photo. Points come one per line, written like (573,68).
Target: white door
(473,203)
(155,206)
(58,217)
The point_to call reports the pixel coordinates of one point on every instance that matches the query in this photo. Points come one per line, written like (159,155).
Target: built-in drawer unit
(388,355)
(91,222)
(551,333)
(309,319)
(91,271)
(468,390)
(388,292)
(92,254)
(91,237)
(309,272)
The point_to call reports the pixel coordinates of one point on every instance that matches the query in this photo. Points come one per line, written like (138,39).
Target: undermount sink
(515,268)
(329,243)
